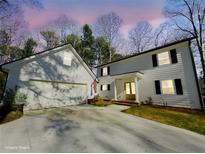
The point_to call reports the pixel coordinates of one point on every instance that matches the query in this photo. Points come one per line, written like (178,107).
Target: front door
(130,90)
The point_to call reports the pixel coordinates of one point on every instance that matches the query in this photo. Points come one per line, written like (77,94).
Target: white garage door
(45,94)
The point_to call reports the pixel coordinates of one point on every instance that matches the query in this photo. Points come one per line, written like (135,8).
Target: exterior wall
(48,67)
(182,69)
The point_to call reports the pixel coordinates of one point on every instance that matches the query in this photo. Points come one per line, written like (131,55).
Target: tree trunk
(202,61)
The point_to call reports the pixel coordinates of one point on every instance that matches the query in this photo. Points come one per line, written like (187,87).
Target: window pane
(105,71)
(127,87)
(167,87)
(104,87)
(163,58)
(133,87)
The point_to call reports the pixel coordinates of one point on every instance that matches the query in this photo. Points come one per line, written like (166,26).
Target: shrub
(101,102)
(10,97)
(20,97)
(2,82)
(149,101)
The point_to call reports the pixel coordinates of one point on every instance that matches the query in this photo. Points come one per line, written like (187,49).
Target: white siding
(143,63)
(48,67)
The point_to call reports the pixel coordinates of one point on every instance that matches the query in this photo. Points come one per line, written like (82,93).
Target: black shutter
(154,60)
(173,54)
(101,72)
(178,86)
(157,87)
(108,87)
(108,70)
(101,87)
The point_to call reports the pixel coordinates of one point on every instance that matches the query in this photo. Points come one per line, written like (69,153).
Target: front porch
(126,87)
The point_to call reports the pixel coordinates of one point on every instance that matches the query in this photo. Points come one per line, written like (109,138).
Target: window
(167,87)
(105,87)
(133,87)
(67,59)
(127,87)
(105,72)
(163,58)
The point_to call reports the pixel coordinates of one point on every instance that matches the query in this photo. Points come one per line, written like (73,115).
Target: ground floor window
(105,87)
(169,87)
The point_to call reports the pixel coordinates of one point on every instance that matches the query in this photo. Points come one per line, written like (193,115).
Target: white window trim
(174,87)
(170,62)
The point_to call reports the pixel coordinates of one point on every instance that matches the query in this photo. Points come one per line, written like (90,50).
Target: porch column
(115,89)
(136,90)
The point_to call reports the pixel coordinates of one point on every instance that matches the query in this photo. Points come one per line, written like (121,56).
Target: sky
(86,11)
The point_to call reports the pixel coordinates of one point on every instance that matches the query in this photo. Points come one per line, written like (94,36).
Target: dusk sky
(86,11)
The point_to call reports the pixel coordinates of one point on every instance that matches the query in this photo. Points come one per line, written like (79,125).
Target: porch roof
(128,74)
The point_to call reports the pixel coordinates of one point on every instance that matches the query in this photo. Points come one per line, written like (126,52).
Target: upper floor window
(168,57)
(105,71)
(67,59)
(163,58)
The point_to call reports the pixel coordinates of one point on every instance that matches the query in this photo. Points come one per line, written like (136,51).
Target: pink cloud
(130,15)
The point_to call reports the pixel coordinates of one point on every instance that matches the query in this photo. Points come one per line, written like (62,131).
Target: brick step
(125,103)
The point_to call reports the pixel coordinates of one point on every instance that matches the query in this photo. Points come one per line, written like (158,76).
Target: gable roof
(38,53)
(150,50)
(50,51)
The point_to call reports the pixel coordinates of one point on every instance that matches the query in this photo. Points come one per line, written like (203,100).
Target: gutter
(196,78)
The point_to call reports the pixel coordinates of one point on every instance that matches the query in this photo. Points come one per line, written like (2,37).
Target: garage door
(45,94)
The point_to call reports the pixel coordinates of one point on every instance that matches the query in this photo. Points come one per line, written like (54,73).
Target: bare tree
(12,21)
(11,7)
(188,16)
(64,26)
(167,33)
(108,26)
(140,36)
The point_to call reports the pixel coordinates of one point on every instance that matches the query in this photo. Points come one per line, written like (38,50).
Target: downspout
(196,78)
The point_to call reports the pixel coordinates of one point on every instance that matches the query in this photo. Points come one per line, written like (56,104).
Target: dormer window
(105,71)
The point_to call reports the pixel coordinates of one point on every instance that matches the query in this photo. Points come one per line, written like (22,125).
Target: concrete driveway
(94,129)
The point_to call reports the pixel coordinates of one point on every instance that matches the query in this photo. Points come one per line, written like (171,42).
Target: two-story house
(167,74)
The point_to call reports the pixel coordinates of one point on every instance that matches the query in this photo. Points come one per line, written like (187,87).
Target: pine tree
(88,51)
(29,47)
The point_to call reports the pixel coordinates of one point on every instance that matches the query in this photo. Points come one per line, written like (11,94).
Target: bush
(101,102)
(2,82)
(149,101)
(10,98)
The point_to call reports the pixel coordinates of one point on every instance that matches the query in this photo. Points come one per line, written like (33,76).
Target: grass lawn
(187,119)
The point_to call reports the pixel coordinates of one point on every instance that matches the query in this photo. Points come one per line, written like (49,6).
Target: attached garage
(46,94)
(52,78)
